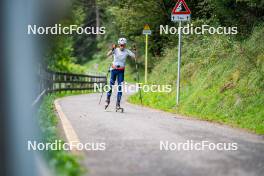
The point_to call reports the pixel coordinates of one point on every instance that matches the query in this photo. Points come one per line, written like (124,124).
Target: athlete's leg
(112,82)
(120,80)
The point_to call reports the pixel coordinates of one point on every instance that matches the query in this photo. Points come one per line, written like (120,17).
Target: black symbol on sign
(181,8)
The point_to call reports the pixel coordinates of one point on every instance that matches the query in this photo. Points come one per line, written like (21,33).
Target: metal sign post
(146,60)
(180,13)
(179,66)
(146,32)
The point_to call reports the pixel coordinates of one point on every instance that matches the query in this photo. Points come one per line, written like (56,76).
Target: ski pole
(108,71)
(140,95)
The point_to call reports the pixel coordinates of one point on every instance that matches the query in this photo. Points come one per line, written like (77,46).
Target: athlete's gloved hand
(134,48)
(113,47)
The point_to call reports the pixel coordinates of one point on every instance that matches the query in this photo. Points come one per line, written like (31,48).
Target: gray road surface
(133,142)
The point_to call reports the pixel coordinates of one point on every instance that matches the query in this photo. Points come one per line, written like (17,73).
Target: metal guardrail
(50,81)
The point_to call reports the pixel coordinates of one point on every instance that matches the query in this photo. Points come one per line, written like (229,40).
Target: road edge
(70,134)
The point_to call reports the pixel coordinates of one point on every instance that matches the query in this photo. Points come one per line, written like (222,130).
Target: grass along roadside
(63,163)
(222,81)
(152,100)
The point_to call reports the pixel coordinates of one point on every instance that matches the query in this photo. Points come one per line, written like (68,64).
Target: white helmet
(122,41)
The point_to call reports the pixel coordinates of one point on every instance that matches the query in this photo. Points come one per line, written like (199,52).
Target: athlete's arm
(131,54)
(109,53)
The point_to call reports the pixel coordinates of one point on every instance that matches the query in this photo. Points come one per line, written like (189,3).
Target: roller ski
(118,108)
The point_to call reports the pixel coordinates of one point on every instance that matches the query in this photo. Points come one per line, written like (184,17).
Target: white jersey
(120,56)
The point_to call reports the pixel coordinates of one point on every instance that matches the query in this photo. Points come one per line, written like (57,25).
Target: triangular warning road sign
(181,8)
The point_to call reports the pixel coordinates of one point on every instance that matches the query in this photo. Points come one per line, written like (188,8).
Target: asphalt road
(133,142)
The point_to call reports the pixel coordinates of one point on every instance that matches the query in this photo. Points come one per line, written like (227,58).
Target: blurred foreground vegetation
(63,163)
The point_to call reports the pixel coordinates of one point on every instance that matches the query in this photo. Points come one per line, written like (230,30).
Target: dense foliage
(61,48)
(127,18)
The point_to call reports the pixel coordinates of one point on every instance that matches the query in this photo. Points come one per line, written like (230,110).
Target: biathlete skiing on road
(117,70)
